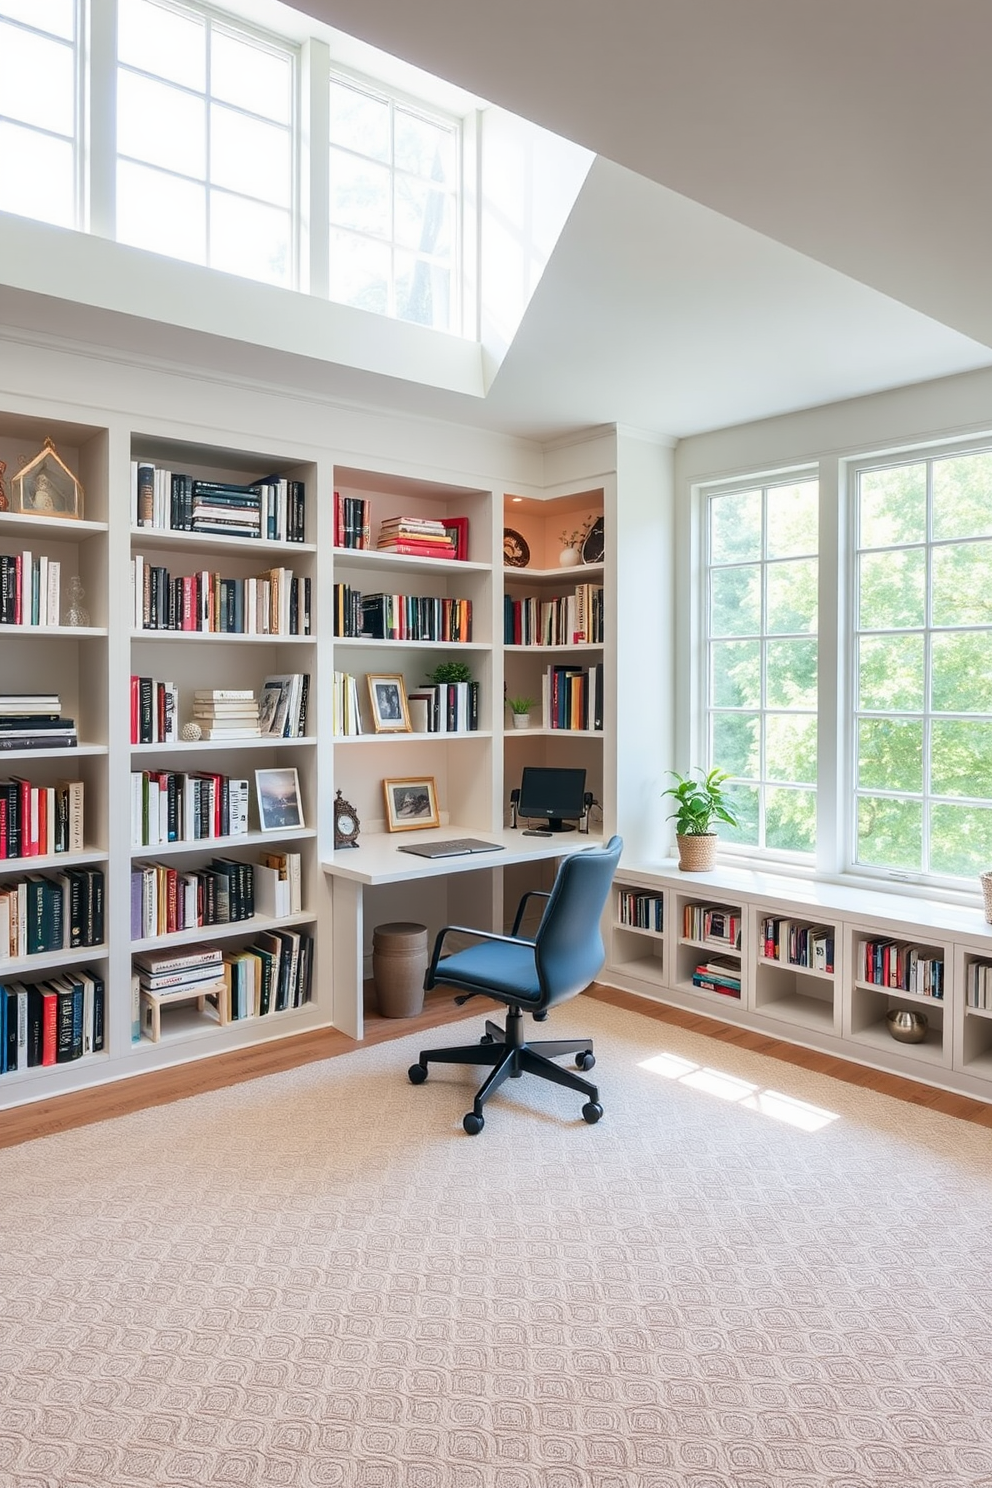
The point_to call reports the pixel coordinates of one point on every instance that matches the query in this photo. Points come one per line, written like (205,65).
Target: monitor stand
(555,824)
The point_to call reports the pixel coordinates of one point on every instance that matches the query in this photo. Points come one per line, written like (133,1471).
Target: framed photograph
(390,714)
(46,487)
(278,793)
(411,803)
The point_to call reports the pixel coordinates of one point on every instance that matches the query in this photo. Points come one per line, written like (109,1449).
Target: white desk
(376,861)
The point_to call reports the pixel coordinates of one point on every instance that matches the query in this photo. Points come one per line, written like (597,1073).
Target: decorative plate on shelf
(516,553)
(594,546)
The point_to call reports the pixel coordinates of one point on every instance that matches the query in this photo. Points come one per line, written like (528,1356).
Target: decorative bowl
(907,1026)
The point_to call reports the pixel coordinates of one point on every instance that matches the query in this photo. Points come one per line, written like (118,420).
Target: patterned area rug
(745,1276)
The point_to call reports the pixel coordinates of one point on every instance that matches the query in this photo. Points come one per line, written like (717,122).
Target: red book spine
(338,519)
(49,1026)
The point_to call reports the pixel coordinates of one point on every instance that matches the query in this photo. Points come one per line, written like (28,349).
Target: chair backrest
(568,945)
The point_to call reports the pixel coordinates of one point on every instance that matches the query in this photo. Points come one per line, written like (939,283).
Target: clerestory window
(39,110)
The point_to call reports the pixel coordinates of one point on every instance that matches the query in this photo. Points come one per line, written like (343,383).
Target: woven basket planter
(697,853)
(986,879)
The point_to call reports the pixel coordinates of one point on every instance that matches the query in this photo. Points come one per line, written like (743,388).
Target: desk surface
(376,859)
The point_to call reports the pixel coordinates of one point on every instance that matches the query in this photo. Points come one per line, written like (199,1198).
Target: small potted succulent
(450,671)
(520,708)
(699,802)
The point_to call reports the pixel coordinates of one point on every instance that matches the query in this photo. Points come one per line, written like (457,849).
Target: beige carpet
(317,1279)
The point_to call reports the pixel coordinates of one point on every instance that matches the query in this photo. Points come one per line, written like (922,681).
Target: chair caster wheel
(473,1124)
(417,1074)
(591,1112)
(585,1060)
(487,1038)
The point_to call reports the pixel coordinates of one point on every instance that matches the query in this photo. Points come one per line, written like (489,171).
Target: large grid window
(923,685)
(39,110)
(393,199)
(761,623)
(205,141)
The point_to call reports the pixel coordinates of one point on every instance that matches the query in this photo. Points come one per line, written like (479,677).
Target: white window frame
(81,86)
(283,46)
(395,97)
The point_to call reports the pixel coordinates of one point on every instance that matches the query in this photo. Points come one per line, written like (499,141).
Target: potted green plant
(450,671)
(699,802)
(520,708)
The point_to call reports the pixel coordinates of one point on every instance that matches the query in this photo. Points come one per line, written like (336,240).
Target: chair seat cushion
(494,967)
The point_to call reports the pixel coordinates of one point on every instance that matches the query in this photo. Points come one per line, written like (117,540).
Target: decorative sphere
(192,732)
(907,1025)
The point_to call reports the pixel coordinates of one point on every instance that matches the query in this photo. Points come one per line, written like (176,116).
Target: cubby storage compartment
(709,958)
(794,977)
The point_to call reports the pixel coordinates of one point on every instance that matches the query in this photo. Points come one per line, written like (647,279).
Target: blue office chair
(530,976)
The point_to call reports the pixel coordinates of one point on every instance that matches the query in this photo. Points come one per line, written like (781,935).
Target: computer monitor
(556,795)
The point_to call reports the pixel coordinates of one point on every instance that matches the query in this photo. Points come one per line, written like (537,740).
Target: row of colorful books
(271,975)
(978,985)
(572,697)
(166,899)
(643,911)
(714,922)
(52,912)
(36,820)
(797,944)
(401,617)
(181,806)
(51,1022)
(568,620)
(30,589)
(904,968)
(273,508)
(276,602)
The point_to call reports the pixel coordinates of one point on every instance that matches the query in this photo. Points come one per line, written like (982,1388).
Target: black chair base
(509,1056)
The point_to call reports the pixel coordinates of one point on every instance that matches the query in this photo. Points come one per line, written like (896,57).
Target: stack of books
(420,537)
(226,713)
(33,720)
(161,977)
(718,975)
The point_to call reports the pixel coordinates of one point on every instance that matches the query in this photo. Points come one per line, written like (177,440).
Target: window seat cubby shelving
(820,964)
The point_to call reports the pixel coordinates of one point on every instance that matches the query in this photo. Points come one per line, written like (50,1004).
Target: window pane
(735,527)
(745,801)
(423,291)
(250,156)
(359,273)
(161,212)
(422,218)
(359,122)
(37,175)
(790,748)
(890,673)
(962,584)
(962,496)
(962,673)
(249,238)
(792,596)
(54,16)
(892,506)
(736,743)
(38,80)
(791,674)
(890,754)
(162,42)
(890,833)
(735,674)
(960,840)
(790,820)
(892,590)
(161,125)
(251,76)
(792,520)
(424,148)
(735,601)
(961,758)
(360,195)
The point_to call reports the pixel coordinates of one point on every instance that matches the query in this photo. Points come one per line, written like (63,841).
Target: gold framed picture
(46,487)
(411,803)
(387,696)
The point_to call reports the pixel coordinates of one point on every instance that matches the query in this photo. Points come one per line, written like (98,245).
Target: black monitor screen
(558,795)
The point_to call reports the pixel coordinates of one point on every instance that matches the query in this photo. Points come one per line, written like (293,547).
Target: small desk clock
(346,823)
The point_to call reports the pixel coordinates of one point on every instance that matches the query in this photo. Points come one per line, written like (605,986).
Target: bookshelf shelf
(201,542)
(213,844)
(384,739)
(229,930)
(370,560)
(55,529)
(233,746)
(47,961)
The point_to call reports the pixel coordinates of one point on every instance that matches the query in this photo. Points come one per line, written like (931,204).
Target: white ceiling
(792,207)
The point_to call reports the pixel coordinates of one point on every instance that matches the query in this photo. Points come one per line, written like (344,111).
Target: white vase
(569,557)
(521,720)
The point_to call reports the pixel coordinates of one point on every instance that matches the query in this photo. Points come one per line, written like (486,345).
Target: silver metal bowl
(906,1025)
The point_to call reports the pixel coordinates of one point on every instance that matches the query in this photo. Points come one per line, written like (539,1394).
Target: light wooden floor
(100,1103)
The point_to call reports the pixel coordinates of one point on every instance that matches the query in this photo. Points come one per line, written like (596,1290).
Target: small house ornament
(46,487)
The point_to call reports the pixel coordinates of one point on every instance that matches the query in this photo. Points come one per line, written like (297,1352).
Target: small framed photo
(46,487)
(278,793)
(390,714)
(411,803)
